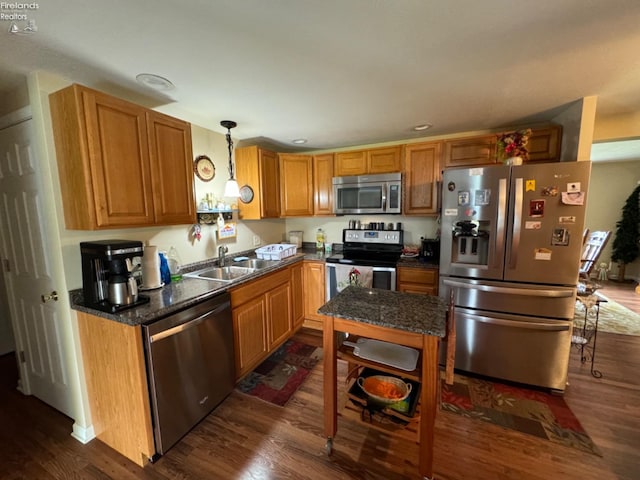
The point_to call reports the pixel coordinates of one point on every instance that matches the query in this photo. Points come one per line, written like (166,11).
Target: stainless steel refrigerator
(511,239)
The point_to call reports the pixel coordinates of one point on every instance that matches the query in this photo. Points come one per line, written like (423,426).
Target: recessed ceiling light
(299,141)
(424,126)
(154,81)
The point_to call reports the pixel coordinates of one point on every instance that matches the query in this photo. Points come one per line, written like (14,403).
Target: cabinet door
(297,295)
(544,144)
(314,293)
(270,184)
(171,169)
(470,151)
(250,334)
(418,280)
(118,155)
(384,160)
(350,163)
(279,314)
(296,185)
(323,184)
(421,175)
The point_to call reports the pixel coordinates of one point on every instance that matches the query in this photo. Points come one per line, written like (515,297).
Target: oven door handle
(375,269)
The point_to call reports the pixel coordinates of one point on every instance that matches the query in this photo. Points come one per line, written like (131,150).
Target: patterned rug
(528,411)
(277,378)
(614,318)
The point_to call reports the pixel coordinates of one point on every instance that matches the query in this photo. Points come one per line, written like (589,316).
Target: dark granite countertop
(178,295)
(424,314)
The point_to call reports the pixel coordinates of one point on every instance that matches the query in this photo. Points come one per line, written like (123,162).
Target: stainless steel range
(374,251)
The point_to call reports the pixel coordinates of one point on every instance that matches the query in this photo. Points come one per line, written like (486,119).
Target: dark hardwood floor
(245,438)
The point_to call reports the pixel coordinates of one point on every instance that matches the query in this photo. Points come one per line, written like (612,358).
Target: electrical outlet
(256,240)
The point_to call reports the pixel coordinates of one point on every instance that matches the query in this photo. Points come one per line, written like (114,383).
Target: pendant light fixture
(231,188)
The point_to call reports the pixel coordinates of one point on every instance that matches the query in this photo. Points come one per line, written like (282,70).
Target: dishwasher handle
(187,325)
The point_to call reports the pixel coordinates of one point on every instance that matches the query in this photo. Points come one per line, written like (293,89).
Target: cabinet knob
(52,296)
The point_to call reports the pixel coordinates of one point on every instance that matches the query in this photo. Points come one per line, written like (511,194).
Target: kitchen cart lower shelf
(384,419)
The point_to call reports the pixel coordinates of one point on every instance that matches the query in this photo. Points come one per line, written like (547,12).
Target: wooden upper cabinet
(384,160)
(421,175)
(350,163)
(296,185)
(544,144)
(108,167)
(171,169)
(372,161)
(270,179)
(258,168)
(470,151)
(323,184)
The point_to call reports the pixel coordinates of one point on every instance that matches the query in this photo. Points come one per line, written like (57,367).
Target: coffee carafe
(123,289)
(107,280)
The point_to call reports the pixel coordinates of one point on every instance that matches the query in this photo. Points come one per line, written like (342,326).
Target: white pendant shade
(231,188)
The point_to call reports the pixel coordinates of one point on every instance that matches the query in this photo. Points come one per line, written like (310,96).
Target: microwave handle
(384,197)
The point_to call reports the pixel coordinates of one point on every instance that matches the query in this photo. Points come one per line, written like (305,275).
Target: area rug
(614,318)
(277,378)
(528,411)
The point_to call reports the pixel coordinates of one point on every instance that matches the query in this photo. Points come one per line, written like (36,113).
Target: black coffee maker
(107,282)
(430,249)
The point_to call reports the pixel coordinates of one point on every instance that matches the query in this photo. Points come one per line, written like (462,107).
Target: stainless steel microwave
(367,194)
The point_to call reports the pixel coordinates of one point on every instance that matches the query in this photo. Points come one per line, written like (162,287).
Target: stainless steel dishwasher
(190,364)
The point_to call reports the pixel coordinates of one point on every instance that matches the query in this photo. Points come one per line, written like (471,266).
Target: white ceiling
(342,72)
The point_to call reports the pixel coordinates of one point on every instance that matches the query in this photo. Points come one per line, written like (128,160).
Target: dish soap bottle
(319,239)
(175,264)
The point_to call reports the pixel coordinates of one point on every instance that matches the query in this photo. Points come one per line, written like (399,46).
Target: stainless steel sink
(222,274)
(256,263)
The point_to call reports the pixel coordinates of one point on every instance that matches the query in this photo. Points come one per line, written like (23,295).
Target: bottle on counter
(175,265)
(165,274)
(319,239)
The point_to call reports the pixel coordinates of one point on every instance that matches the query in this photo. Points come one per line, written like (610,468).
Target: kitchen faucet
(222,249)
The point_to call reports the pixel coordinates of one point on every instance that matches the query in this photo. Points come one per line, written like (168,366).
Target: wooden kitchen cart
(415,321)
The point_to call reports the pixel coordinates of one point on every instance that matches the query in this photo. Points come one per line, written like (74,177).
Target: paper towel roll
(151,267)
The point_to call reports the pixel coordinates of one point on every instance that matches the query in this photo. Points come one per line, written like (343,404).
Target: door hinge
(22,357)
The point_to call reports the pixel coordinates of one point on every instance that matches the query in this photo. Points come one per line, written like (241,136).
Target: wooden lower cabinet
(423,281)
(262,312)
(314,293)
(279,314)
(297,295)
(250,334)
(116,377)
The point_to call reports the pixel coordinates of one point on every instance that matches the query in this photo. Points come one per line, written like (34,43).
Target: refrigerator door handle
(517,223)
(512,291)
(502,217)
(553,327)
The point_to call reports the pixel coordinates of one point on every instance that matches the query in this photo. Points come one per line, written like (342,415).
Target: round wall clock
(246,194)
(204,168)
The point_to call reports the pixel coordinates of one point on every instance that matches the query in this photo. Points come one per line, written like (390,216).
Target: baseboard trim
(83,434)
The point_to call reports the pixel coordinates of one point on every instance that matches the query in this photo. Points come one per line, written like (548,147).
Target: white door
(27,270)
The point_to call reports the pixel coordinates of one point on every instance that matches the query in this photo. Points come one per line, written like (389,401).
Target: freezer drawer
(517,348)
(545,301)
